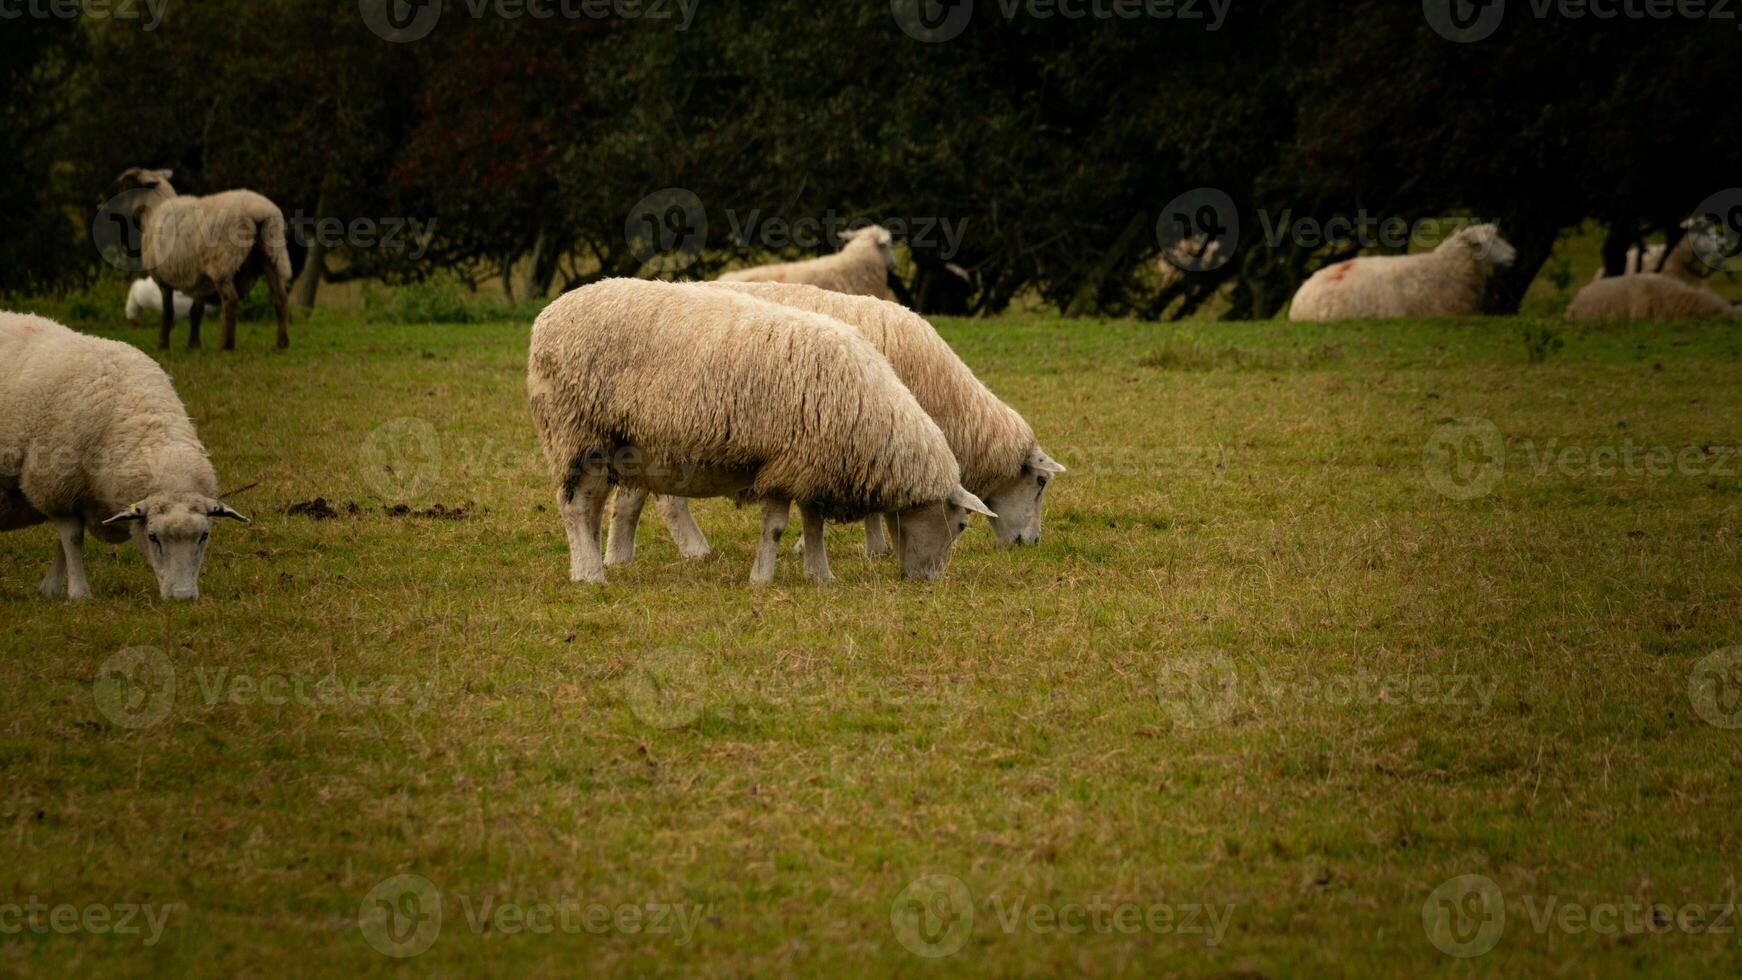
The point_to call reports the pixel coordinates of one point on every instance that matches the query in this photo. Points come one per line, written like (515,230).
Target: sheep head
(872,236)
(149,187)
(1484,246)
(1018,500)
(925,534)
(172,530)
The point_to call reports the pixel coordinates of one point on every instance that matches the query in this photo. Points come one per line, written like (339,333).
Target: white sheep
(93,437)
(147,295)
(212,247)
(1684,262)
(1449,281)
(1647,296)
(692,391)
(1001,461)
(861,267)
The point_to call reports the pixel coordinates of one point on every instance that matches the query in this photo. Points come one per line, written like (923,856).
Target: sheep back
(1644,296)
(193,243)
(89,426)
(990,439)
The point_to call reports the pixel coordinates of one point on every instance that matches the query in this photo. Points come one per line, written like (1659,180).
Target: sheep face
(1018,502)
(153,185)
(172,530)
(1486,246)
(924,534)
(879,237)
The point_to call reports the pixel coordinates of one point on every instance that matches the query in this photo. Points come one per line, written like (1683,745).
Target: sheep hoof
(876,550)
(78,595)
(586,578)
(825,578)
(49,589)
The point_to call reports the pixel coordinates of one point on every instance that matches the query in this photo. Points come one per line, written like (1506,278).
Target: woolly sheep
(1646,296)
(692,391)
(1000,460)
(211,247)
(861,267)
(93,438)
(1448,281)
(145,295)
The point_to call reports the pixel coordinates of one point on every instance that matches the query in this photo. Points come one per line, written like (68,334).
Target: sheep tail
(271,239)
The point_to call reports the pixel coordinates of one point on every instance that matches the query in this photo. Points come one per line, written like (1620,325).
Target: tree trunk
(1087,298)
(314,267)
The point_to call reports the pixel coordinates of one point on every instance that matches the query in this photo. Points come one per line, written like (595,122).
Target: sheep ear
(967,501)
(164,174)
(133,513)
(1040,462)
(223,510)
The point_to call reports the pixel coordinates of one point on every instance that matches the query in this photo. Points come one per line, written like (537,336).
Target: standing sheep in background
(145,295)
(694,391)
(208,247)
(1000,460)
(1684,263)
(1449,281)
(860,268)
(1646,296)
(93,437)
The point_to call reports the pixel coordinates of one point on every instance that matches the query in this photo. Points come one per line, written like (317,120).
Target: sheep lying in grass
(1000,460)
(860,268)
(146,295)
(689,390)
(1449,281)
(212,247)
(1646,296)
(93,438)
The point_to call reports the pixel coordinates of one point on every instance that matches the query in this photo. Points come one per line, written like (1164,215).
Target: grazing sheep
(688,390)
(1448,281)
(1001,461)
(1646,296)
(145,295)
(861,267)
(93,437)
(211,247)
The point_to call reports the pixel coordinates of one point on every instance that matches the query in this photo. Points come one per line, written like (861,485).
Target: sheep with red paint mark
(1449,281)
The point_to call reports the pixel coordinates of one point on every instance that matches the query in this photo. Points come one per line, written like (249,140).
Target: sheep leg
(72,547)
(691,542)
(168,321)
(280,303)
(232,306)
(774,517)
(625,515)
(876,546)
(56,582)
(195,315)
(582,507)
(816,553)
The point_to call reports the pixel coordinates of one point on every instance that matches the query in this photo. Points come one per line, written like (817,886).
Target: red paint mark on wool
(1340,271)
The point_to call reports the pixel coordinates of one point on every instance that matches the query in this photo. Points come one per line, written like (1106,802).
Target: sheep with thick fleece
(1647,296)
(145,295)
(1449,281)
(693,391)
(93,438)
(860,268)
(1000,460)
(211,248)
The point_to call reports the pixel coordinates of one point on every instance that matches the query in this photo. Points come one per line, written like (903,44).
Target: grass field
(1305,678)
